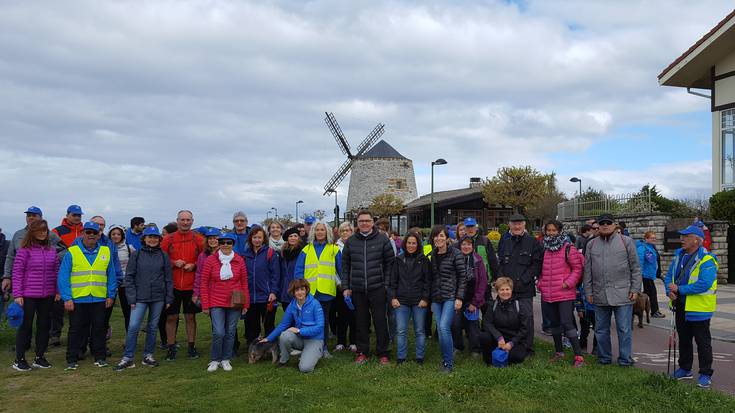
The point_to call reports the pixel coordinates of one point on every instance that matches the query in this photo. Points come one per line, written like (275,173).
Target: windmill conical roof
(382,150)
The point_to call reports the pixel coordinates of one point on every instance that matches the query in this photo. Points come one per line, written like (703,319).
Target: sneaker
(704,381)
(295,353)
(340,347)
(281,365)
(124,364)
(681,374)
(101,363)
(384,361)
(150,361)
(193,353)
(213,365)
(55,342)
(658,314)
(226,366)
(163,346)
(400,361)
(578,361)
(353,348)
(556,357)
(22,365)
(41,363)
(420,362)
(565,342)
(546,332)
(361,359)
(71,366)
(171,353)
(446,368)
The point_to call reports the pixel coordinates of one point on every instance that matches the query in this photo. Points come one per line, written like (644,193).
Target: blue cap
(228,235)
(500,357)
(91,225)
(309,220)
(34,210)
(348,303)
(692,229)
(202,230)
(699,224)
(213,232)
(14,313)
(472,315)
(152,230)
(74,209)
(470,222)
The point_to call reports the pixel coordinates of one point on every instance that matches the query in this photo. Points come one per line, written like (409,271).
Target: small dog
(258,350)
(642,305)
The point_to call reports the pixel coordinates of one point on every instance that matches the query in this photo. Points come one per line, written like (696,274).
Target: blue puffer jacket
(264,274)
(309,320)
(647,255)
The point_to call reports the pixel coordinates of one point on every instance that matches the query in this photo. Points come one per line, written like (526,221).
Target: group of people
(364,280)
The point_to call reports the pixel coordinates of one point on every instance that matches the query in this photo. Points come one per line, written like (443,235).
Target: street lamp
(336,207)
(439,161)
(275,209)
(297,210)
(575,179)
(267,215)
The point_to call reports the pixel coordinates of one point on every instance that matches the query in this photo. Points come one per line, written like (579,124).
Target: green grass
(337,385)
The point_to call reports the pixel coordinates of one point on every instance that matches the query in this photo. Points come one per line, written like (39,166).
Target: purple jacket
(35,271)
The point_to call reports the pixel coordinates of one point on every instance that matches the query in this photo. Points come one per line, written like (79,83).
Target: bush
(722,205)
(503,228)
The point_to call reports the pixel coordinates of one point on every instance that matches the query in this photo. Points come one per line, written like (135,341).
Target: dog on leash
(258,351)
(642,305)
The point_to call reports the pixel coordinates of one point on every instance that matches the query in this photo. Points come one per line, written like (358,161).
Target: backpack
(197,245)
(518,306)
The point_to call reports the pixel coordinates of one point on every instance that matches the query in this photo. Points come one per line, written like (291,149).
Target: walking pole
(672,338)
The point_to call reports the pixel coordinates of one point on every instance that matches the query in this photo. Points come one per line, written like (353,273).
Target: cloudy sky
(144,108)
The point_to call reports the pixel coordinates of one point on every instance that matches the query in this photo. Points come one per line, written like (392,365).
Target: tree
(722,206)
(674,207)
(546,207)
(517,186)
(386,205)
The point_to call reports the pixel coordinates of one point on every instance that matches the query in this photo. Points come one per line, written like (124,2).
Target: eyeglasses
(90,232)
(226,242)
(239,220)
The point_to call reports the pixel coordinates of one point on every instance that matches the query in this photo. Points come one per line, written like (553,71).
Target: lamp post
(575,179)
(267,215)
(439,161)
(336,208)
(297,210)
(275,209)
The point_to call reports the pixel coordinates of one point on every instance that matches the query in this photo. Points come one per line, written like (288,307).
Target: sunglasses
(225,242)
(595,228)
(605,223)
(90,232)
(76,215)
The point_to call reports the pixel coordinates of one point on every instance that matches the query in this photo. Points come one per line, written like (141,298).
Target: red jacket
(215,292)
(557,269)
(183,246)
(68,232)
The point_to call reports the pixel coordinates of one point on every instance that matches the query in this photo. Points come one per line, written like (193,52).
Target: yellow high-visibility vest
(427,250)
(321,272)
(705,302)
(89,279)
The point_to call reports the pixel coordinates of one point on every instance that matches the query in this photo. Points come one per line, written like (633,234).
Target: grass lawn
(337,385)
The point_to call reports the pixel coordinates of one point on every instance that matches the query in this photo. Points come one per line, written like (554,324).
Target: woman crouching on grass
(505,325)
(224,296)
(302,328)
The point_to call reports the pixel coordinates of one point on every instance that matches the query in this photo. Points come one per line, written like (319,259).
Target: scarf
(225,272)
(276,244)
(554,242)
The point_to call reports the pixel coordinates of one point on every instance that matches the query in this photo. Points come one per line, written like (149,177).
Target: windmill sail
(333,126)
(371,139)
(338,177)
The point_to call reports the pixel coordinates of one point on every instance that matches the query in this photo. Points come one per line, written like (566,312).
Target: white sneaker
(213,365)
(295,353)
(226,366)
(353,348)
(339,347)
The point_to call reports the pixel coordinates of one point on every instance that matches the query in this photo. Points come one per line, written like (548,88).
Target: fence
(588,206)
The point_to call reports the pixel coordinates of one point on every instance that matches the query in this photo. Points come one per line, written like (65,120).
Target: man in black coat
(520,257)
(367,260)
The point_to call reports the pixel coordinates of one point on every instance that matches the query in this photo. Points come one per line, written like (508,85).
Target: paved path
(650,346)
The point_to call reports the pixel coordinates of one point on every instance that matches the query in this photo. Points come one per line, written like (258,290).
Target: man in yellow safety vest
(87,285)
(691,284)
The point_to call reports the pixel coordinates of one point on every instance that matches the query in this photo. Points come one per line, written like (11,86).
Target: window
(728,148)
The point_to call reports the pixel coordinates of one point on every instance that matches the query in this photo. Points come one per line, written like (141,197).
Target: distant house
(452,207)
(710,64)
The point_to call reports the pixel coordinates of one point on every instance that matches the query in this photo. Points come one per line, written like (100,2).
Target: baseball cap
(34,210)
(152,230)
(605,218)
(692,229)
(470,222)
(74,209)
(517,218)
(310,220)
(91,226)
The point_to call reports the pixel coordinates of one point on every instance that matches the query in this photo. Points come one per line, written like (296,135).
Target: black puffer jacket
(410,280)
(148,277)
(367,262)
(520,259)
(448,275)
(506,319)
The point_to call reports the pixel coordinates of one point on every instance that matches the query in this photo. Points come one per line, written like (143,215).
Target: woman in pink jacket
(35,272)
(560,274)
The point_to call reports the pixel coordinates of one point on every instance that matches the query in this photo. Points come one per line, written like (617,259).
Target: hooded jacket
(309,319)
(68,232)
(366,262)
(35,272)
(448,275)
(558,269)
(410,280)
(133,239)
(148,277)
(648,257)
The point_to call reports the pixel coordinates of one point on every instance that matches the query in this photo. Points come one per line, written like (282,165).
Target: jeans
(444,314)
(311,350)
(136,320)
(403,313)
(38,307)
(224,323)
(623,315)
(460,323)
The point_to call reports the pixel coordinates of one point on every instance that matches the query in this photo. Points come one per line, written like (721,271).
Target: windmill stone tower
(376,169)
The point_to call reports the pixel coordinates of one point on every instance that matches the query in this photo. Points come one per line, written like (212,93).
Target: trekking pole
(672,339)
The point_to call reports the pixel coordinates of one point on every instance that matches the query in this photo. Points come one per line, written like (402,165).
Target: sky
(134,108)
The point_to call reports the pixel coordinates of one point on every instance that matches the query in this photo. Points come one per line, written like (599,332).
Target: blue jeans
(402,314)
(224,323)
(136,319)
(623,315)
(444,314)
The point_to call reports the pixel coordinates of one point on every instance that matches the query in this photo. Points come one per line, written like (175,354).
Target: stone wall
(374,176)
(639,224)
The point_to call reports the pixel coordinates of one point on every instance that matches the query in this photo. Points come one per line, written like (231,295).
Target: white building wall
(372,177)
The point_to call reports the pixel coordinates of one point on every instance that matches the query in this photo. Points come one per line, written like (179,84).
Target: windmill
(344,146)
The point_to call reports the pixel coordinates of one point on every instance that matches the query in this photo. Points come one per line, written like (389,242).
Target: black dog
(259,350)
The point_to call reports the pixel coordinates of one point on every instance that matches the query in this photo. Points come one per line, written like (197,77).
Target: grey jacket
(15,246)
(611,270)
(148,277)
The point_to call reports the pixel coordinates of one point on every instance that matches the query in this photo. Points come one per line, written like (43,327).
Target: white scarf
(225,272)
